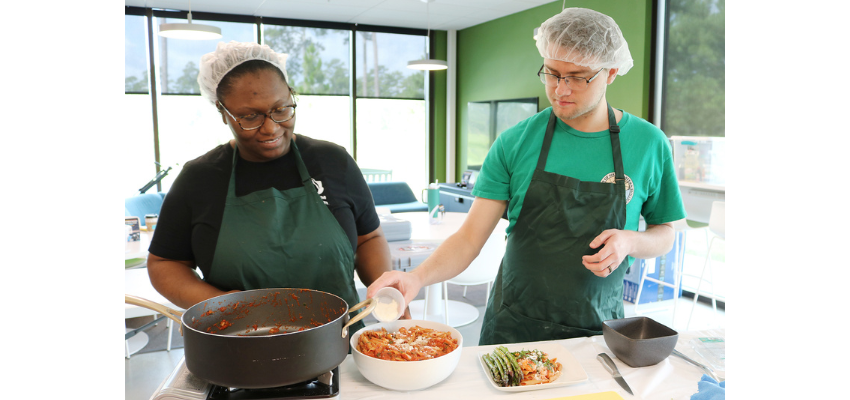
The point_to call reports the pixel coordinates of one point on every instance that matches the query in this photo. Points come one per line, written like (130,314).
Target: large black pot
(263,338)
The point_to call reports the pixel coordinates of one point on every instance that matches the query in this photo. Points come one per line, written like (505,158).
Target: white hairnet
(215,65)
(584,37)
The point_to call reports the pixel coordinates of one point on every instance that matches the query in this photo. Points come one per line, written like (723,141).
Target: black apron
(542,290)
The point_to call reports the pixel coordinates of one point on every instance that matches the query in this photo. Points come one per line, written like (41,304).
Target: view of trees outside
(382,65)
(319,70)
(179,58)
(695,69)
(138,154)
(317,61)
(135,55)
(694,103)
(486,121)
(694,89)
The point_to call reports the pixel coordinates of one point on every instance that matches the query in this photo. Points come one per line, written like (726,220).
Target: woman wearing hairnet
(575,179)
(270,208)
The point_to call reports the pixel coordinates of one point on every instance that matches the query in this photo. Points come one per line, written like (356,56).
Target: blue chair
(396,196)
(143,204)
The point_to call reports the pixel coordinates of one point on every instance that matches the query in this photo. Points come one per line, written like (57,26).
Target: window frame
(259,21)
(658,57)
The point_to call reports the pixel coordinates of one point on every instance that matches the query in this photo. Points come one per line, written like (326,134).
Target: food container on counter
(639,341)
(407,375)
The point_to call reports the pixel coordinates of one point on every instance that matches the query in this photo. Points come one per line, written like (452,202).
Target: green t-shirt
(647,163)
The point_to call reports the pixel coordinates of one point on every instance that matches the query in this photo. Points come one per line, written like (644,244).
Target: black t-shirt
(191,213)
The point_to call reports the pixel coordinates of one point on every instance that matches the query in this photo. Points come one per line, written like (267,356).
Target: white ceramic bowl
(407,375)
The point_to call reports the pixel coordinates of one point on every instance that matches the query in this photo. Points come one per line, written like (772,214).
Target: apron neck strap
(547,142)
(302,168)
(614,129)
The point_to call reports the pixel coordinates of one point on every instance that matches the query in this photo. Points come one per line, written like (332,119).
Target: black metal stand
(155,180)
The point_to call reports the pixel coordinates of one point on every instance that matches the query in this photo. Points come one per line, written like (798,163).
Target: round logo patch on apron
(630,186)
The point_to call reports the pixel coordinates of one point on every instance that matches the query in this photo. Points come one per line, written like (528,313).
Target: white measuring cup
(390,304)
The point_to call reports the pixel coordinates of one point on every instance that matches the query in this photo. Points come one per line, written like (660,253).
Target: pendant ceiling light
(427,64)
(190,30)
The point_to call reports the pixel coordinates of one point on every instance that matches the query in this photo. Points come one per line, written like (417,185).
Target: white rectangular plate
(571,371)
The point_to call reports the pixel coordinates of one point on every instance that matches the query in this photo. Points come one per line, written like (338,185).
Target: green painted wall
(438,79)
(499,60)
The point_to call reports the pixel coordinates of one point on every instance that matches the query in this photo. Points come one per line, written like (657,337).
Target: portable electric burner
(182,385)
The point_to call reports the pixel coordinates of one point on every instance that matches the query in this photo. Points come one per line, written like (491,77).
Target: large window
(392,105)
(138,166)
(694,72)
(189,125)
(135,54)
(382,65)
(179,58)
(317,59)
(393,138)
(487,120)
(319,70)
(692,104)
(391,112)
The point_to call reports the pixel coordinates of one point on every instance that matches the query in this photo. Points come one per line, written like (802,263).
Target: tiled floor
(143,373)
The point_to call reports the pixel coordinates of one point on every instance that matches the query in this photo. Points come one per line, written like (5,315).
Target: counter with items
(281,345)
(583,374)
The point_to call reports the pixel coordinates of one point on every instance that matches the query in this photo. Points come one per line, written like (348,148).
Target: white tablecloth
(672,378)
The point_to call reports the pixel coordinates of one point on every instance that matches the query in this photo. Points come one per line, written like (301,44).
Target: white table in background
(132,250)
(461,313)
(137,283)
(138,249)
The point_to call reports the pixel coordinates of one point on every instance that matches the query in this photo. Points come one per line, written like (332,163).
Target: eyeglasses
(255,121)
(573,82)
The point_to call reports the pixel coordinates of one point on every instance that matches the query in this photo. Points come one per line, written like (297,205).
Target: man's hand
(613,245)
(406,283)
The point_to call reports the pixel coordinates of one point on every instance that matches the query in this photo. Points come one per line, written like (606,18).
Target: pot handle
(168,312)
(370,305)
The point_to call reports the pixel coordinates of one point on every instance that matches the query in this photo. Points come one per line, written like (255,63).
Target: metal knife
(609,365)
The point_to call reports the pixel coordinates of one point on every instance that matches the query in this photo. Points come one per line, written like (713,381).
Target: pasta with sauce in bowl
(414,344)
(406,354)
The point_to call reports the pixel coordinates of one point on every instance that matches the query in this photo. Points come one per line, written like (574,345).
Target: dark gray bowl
(639,341)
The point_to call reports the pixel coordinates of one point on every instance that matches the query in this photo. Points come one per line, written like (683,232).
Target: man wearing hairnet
(575,179)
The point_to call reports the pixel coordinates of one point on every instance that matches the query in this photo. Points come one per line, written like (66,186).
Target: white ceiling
(442,14)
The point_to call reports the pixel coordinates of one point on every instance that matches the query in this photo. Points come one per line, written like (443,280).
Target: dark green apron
(286,239)
(542,290)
